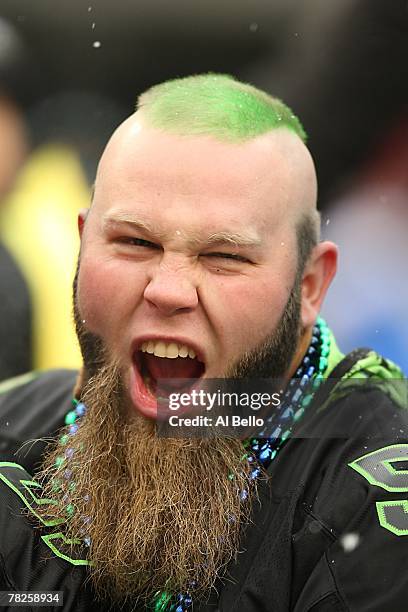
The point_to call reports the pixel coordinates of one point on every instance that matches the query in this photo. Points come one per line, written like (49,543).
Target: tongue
(181,367)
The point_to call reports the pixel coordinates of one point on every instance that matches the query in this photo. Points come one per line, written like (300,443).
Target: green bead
(324,351)
(322,363)
(317,381)
(71,486)
(56,484)
(285,435)
(70,418)
(70,509)
(298,414)
(231,476)
(64,439)
(306,400)
(59,461)
(162,599)
(244,457)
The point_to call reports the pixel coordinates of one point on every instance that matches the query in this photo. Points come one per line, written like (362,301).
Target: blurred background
(71,71)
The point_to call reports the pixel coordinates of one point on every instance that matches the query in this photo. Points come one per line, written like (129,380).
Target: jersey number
(377,467)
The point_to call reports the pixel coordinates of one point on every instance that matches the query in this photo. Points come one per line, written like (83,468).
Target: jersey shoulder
(32,407)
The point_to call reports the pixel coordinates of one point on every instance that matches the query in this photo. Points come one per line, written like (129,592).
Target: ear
(317,276)
(82,215)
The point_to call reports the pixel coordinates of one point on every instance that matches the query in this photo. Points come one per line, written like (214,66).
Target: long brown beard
(164,512)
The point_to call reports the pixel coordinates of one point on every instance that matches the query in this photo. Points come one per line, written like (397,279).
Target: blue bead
(287,414)
(297,395)
(180,597)
(188,601)
(275,434)
(80,409)
(314,340)
(311,350)
(179,609)
(298,372)
(73,429)
(67,474)
(243,495)
(87,541)
(304,381)
(69,452)
(306,361)
(311,371)
(265,454)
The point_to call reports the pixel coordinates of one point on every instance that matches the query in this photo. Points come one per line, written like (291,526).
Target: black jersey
(330,531)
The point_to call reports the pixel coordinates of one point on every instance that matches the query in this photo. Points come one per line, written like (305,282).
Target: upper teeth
(171,350)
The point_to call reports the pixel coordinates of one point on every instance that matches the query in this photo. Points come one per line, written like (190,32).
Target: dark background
(341,66)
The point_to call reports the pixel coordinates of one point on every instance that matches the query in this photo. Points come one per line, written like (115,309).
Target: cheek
(251,310)
(107,295)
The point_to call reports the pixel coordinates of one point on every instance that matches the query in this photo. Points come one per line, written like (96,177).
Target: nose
(172,289)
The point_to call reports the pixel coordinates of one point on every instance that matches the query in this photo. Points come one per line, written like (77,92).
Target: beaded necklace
(259,451)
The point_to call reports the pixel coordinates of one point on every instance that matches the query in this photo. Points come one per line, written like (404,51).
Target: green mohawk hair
(216,105)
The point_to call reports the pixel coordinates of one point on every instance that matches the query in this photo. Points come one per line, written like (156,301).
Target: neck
(300,353)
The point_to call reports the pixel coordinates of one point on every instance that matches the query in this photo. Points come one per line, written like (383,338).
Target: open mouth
(161,368)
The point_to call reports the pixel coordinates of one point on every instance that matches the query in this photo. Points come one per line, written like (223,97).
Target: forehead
(183,178)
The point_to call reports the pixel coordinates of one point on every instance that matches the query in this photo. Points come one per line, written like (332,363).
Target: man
(200,259)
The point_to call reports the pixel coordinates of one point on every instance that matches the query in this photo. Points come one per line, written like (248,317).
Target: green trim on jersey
(381,373)
(334,357)
(17,381)
(26,486)
(23,488)
(68,542)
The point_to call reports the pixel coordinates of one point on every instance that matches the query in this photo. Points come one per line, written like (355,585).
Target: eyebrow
(221,238)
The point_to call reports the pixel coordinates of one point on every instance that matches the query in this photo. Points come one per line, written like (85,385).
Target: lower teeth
(148,383)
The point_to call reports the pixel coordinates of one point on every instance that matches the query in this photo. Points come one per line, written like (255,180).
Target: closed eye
(138,242)
(233,256)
